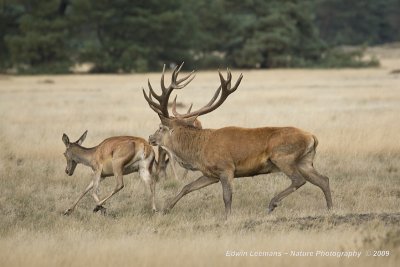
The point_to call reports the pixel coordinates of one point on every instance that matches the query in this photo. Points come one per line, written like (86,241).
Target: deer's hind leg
(145,172)
(71,209)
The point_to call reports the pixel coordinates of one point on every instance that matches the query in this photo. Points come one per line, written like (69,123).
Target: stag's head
(189,119)
(69,152)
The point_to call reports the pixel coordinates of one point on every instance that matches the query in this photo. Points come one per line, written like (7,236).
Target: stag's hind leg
(297,181)
(312,176)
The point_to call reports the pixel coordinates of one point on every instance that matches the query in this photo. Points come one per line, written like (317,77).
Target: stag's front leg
(173,166)
(71,209)
(162,163)
(201,182)
(226,182)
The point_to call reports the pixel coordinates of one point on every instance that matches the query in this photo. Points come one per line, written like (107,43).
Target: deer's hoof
(100,208)
(67,212)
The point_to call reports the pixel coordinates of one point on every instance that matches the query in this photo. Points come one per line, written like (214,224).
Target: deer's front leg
(117,168)
(71,209)
(96,182)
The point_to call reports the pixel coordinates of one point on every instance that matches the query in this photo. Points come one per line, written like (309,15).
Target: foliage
(9,15)
(132,36)
(370,22)
(137,36)
(42,38)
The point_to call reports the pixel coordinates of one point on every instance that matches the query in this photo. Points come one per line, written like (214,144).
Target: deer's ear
(65,139)
(82,138)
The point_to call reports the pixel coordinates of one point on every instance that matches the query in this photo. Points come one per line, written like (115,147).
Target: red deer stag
(230,152)
(116,156)
(162,109)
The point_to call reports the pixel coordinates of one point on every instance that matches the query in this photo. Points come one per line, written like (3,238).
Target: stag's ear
(165,121)
(191,120)
(65,139)
(82,138)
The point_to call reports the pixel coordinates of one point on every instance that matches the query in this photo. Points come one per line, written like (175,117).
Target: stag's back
(252,151)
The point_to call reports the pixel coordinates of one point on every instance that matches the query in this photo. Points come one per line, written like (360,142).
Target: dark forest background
(51,36)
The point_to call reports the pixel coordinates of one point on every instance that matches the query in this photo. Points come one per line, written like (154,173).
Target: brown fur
(231,152)
(163,161)
(116,156)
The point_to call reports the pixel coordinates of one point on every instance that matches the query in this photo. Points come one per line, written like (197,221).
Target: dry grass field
(354,114)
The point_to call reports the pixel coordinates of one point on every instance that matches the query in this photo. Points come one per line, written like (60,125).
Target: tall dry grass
(354,114)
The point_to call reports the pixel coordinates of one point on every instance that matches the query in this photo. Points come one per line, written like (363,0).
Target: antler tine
(162,106)
(190,77)
(175,83)
(153,105)
(162,79)
(229,78)
(179,68)
(158,97)
(190,108)
(237,83)
(223,91)
(176,114)
(214,97)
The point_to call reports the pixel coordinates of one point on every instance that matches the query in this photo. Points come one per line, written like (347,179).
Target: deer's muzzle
(152,140)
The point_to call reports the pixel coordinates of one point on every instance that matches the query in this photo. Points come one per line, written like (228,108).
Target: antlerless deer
(116,156)
(226,153)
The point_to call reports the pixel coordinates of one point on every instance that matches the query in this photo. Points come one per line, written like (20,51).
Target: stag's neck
(84,155)
(186,143)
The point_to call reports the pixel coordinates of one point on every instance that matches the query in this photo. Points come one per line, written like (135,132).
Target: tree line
(50,36)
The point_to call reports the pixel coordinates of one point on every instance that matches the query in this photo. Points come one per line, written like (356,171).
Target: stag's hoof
(272,206)
(67,212)
(100,208)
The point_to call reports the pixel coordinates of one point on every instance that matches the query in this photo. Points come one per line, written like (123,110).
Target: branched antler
(223,91)
(161,108)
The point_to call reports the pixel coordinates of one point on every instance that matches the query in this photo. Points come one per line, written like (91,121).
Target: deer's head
(69,154)
(169,123)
